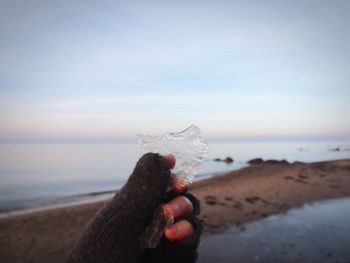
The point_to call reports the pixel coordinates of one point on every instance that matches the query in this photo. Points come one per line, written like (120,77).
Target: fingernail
(168,215)
(178,231)
(178,186)
(171,160)
(179,206)
(172,232)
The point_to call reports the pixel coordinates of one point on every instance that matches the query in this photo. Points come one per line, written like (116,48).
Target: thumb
(114,234)
(148,182)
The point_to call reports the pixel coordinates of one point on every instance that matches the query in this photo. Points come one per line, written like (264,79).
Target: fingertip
(175,184)
(178,186)
(178,206)
(171,160)
(179,230)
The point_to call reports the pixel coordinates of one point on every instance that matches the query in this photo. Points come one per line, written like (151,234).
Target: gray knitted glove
(115,234)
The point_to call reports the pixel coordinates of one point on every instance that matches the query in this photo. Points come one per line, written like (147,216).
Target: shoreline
(78,199)
(261,190)
(89,199)
(234,198)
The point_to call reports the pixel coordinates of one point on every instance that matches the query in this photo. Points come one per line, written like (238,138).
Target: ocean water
(34,175)
(317,232)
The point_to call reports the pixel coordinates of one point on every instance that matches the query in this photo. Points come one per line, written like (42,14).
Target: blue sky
(106,70)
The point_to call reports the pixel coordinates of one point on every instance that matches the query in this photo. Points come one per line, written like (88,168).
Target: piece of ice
(189,149)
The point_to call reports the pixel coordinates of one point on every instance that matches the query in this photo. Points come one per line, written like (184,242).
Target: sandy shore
(234,198)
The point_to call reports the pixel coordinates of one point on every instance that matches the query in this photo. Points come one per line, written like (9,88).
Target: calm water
(314,233)
(33,175)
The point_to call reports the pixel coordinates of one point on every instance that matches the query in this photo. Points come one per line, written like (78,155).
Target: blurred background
(79,80)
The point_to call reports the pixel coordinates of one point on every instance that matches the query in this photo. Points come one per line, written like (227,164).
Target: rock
(272,162)
(337,149)
(256,161)
(276,162)
(261,161)
(210,200)
(228,160)
(284,162)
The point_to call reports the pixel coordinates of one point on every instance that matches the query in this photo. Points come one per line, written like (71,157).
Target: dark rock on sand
(210,200)
(252,200)
(261,161)
(256,161)
(217,160)
(276,162)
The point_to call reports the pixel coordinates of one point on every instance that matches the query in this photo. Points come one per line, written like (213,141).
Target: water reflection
(314,233)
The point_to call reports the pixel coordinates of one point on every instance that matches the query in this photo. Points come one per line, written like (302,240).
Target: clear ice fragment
(189,149)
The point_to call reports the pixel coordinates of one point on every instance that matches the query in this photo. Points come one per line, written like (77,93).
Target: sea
(35,176)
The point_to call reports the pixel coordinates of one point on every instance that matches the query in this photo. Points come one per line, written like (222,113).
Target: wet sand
(317,232)
(261,190)
(234,198)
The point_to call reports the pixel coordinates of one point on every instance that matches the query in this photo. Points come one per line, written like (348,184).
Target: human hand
(181,236)
(116,234)
(177,207)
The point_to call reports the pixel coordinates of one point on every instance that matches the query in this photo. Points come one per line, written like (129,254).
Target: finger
(179,230)
(171,160)
(177,185)
(179,206)
(150,178)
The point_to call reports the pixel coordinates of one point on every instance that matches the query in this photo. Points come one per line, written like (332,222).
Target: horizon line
(237,139)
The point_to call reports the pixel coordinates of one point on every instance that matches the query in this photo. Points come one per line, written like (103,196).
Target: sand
(234,198)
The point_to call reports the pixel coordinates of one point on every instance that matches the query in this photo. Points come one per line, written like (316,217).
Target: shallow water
(34,175)
(319,232)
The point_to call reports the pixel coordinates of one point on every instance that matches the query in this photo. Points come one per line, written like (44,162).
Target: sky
(107,70)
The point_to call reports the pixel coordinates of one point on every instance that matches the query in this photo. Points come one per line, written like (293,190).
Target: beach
(234,198)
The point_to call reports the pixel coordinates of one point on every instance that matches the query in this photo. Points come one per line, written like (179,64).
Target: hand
(181,238)
(177,207)
(115,234)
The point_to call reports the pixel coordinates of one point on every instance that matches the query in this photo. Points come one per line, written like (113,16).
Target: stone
(228,160)
(256,161)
